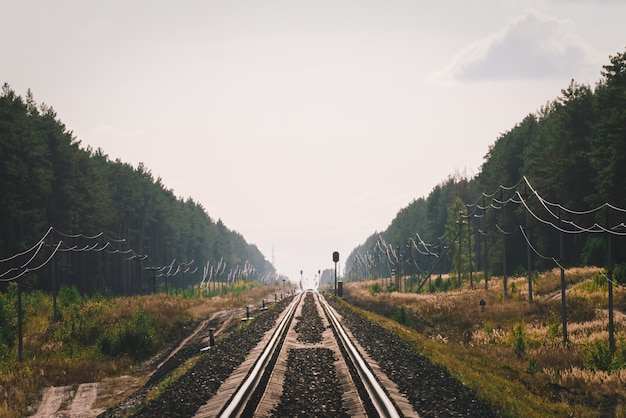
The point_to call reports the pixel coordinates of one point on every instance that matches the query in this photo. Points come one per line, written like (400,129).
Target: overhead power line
(32,264)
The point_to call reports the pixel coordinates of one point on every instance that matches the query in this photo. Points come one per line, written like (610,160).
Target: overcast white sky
(303,125)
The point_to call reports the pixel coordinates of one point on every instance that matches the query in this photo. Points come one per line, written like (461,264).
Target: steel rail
(379,398)
(238,402)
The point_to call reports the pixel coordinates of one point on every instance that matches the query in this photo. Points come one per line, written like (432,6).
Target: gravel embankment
(431,390)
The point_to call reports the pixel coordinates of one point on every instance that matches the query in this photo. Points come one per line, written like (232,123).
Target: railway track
(309,365)
(304,374)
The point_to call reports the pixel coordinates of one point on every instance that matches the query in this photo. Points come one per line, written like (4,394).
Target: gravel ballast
(431,390)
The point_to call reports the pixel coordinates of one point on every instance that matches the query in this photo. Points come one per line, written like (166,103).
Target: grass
(71,352)
(514,347)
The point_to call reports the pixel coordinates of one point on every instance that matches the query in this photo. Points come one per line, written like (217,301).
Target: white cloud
(531,47)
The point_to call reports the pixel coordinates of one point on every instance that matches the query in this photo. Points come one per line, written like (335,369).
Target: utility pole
(610,278)
(458,267)
(398,270)
(55,311)
(504,276)
(563,304)
(20,320)
(469,244)
(486,248)
(411,267)
(528,257)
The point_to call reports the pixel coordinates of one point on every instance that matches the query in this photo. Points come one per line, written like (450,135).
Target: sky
(303,125)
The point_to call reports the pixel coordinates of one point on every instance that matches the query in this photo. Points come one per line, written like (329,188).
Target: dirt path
(83,401)
(52,400)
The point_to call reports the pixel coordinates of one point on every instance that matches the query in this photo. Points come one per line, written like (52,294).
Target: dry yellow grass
(455,319)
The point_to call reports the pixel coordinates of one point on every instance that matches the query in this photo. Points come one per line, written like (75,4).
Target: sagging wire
(570,211)
(28,270)
(530,245)
(503,231)
(38,245)
(61,246)
(595,228)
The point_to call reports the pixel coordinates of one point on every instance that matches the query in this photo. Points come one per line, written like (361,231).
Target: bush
(374,289)
(109,344)
(441,285)
(488,328)
(598,284)
(68,298)
(533,366)
(555,329)
(513,290)
(519,340)
(7,334)
(598,355)
(400,316)
(619,274)
(135,338)
(594,251)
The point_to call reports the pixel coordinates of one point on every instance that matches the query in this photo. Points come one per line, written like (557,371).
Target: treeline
(47,180)
(572,152)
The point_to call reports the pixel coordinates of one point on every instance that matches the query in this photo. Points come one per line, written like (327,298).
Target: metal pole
(486,248)
(335,278)
(55,310)
(398,270)
(411,266)
(610,276)
(469,244)
(504,277)
(563,304)
(20,320)
(458,267)
(529,261)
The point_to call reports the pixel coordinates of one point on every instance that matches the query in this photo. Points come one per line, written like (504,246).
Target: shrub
(619,357)
(594,251)
(554,329)
(438,282)
(519,340)
(598,284)
(374,289)
(69,297)
(489,327)
(400,316)
(619,274)
(513,290)
(533,366)
(598,355)
(109,344)
(520,271)
(7,334)
(135,338)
